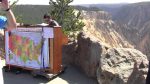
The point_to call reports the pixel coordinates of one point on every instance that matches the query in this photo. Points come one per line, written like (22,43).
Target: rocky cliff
(101,52)
(109,65)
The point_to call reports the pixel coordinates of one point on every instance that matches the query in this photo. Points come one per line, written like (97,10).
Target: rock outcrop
(84,54)
(113,65)
(88,54)
(122,66)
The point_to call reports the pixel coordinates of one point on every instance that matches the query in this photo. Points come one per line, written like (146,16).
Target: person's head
(47,18)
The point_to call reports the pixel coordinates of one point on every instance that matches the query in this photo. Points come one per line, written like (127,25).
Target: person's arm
(11,20)
(10,16)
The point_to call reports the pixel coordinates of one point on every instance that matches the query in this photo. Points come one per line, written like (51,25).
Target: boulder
(88,54)
(68,53)
(85,54)
(122,66)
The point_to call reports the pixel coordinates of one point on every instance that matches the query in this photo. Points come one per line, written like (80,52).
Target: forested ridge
(33,14)
(30,14)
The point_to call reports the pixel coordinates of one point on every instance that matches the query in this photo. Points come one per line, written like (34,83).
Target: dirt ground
(70,76)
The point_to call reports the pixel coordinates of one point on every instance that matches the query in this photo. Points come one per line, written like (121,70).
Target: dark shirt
(52,24)
(148,75)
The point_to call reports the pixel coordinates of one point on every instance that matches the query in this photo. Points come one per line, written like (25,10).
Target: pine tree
(66,16)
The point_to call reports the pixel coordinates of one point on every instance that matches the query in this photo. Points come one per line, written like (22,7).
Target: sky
(75,2)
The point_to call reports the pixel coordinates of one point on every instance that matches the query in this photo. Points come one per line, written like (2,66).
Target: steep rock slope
(99,25)
(134,21)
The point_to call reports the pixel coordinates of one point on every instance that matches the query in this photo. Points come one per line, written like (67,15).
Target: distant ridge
(103,5)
